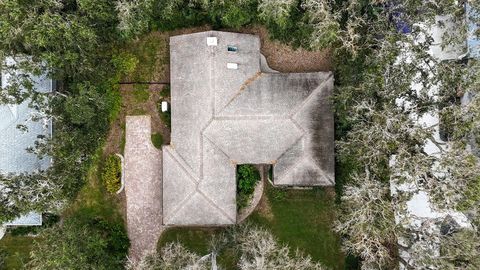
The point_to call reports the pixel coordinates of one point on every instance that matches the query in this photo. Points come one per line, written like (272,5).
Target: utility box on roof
(232,66)
(211,41)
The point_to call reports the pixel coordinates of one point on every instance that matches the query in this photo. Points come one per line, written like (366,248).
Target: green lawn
(195,239)
(300,218)
(18,250)
(303,219)
(198,241)
(141,93)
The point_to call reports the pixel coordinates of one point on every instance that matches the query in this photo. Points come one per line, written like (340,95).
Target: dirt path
(143,187)
(284,58)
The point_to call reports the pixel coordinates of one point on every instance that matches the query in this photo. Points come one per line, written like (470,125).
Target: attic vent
(211,41)
(232,48)
(232,66)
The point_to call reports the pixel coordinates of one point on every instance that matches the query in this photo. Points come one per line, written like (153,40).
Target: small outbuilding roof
(222,117)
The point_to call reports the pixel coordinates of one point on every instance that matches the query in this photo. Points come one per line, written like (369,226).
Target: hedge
(112,173)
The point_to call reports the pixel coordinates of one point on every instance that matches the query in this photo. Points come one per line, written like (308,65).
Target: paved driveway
(143,186)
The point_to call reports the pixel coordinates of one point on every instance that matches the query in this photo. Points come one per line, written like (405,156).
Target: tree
(24,193)
(380,103)
(256,247)
(367,222)
(259,249)
(275,11)
(171,257)
(83,241)
(135,17)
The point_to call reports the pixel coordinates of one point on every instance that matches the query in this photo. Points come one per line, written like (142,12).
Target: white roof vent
(211,41)
(232,66)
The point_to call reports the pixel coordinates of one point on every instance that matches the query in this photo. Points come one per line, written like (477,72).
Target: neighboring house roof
(248,114)
(30,219)
(14,158)
(473,41)
(445,25)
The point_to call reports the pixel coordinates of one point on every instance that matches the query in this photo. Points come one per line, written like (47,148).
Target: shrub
(84,241)
(247,178)
(157,140)
(3,257)
(112,173)
(165,91)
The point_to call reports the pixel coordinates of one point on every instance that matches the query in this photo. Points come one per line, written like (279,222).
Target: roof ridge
(214,145)
(244,85)
(211,202)
(182,163)
(177,209)
(316,90)
(300,138)
(320,169)
(295,165)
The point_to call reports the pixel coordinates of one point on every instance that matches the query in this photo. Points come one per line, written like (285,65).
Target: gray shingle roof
(223,117)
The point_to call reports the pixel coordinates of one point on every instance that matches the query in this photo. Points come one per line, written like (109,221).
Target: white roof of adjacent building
(30,219)
(222,117)
(14,157)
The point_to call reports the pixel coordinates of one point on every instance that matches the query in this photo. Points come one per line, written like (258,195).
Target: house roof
(14,157)
(472,35)
(222,117)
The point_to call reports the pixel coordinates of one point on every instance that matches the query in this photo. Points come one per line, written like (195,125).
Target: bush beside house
(247,178)
(112,173)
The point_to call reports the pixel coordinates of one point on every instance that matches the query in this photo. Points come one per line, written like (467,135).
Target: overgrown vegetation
(165,116)
(241,247)
(91,242)
(247,179)
(15,251)
(112,173)
(302,219)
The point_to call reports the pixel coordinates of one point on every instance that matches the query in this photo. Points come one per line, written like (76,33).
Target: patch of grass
(123,140)
(152,54)
(157,140)
(303,219)
(194,239)
(165,91)
(94,196)
(300,218)
(166,117)
(198,241)
(138,111)
(141,93)
(18,251)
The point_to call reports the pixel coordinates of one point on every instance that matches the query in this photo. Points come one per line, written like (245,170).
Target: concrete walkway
(143,187)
